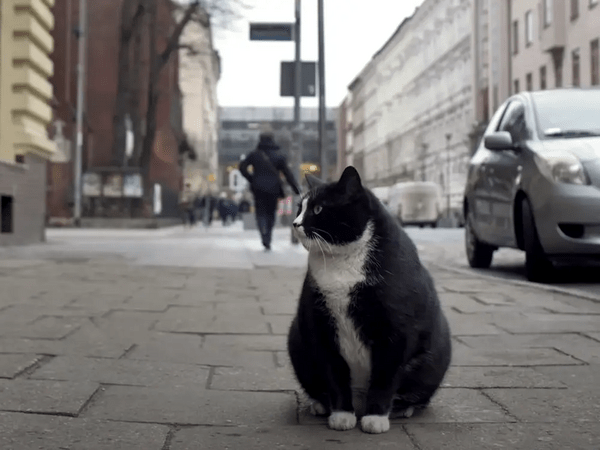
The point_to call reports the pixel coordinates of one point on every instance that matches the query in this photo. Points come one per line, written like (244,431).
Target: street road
(447,245)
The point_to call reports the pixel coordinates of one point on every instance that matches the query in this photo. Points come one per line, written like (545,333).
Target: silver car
(534,181)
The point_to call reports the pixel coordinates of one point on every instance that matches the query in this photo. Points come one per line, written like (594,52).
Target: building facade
(412,105)
(554,43)
(239,130)
(25,114)
(199,73)
(101,161)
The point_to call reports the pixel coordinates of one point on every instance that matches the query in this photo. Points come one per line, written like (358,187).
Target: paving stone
(499,377)
(297,438)
(261,342)
(29,431)
(127,325)
(474,325)
(279,307)
(49,397)
(552,323)
(447,406)
(187,349)
(183,405)
(122,371)
(280,324)
(44,328)
(582,378)
(11,365)
(458,284)
(535,356)
(254,379)
(506,436)
(155,295)
(595,336)
(210,319)
(578,346)
(549,405)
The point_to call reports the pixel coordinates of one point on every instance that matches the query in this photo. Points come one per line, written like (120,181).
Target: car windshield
(568,113)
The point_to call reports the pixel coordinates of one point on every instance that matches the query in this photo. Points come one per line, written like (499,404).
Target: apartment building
(199,73)
(25,113)
(412,105)
(554,43)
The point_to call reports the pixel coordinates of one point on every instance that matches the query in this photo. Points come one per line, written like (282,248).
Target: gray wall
(26,183)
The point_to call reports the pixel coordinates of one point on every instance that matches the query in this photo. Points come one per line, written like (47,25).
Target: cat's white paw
(342,420)
(317,409)
(375,424)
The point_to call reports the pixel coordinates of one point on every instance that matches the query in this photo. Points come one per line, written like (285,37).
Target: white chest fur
(336,273)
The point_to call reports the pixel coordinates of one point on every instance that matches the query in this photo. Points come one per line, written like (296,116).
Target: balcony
(554,33)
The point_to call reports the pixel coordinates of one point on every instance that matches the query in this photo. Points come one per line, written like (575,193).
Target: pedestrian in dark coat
(265,182)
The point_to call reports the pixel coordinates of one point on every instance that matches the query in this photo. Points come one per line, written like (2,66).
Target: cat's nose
(295,224)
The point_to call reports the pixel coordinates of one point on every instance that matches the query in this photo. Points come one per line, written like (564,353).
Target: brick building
(100,96)
(25,94)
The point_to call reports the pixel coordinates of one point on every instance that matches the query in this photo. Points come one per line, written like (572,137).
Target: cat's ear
(350,181)
(313,181)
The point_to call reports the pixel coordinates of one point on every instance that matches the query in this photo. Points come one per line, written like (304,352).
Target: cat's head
(337,213)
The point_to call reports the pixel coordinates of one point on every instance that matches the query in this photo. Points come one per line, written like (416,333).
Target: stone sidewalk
(102,355)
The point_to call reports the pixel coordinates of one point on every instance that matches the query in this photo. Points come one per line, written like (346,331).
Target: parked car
(534,182)
(416,202)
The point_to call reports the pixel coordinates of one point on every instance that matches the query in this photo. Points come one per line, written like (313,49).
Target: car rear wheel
(479,254)
(537,265)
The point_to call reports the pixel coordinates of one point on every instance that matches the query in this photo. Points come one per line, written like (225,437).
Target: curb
(527,284)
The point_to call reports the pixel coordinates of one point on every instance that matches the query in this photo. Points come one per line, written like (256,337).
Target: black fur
(396,310)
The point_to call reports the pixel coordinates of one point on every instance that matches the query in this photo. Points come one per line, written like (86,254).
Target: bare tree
(137,14)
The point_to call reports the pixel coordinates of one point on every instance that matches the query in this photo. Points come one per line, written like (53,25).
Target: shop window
(6,214)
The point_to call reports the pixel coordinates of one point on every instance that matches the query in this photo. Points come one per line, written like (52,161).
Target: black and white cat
(369,337)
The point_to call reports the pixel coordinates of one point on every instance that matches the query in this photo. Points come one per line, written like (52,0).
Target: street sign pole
(322,117)
(297,134)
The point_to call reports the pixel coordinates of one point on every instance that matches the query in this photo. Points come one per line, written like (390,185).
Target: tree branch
(173,42)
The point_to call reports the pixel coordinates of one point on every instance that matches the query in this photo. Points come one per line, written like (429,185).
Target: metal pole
(81,53)
(322,117)
(297,133)
(448,137)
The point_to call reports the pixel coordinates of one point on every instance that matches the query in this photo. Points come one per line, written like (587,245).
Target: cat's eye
(318,209)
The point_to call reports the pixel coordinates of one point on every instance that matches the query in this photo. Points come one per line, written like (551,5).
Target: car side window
(514,122)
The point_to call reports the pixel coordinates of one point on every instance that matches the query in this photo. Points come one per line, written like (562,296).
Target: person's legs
(269,203)
(262,216)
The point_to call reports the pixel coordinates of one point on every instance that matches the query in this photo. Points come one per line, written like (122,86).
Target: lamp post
(322,117)
(448,137)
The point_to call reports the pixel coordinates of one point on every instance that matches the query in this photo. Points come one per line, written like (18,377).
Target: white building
(412,105)
(199,72)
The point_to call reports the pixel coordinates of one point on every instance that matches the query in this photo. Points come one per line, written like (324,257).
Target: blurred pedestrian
(265,181)
(186,206)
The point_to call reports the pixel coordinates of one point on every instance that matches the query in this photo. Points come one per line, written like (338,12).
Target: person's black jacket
(263,178)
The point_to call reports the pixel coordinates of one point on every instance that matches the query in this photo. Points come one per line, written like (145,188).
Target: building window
(528,28)
(517,88)
(574,9)
(548,5)
(595,60)
(575,62)
(543,78)
(515,37)
(6,214)
(529,81)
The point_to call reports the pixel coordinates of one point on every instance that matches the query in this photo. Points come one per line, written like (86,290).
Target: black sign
(288,79)
(271,31)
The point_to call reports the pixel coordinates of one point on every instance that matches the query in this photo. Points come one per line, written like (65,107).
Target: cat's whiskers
(317,239)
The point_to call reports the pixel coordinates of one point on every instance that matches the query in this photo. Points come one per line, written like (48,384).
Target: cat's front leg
(342,415)
(382,387)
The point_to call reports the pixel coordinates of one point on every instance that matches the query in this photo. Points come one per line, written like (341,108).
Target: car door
(503,171)
(478,184)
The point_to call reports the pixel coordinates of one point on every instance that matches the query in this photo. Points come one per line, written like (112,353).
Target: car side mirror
(499,140)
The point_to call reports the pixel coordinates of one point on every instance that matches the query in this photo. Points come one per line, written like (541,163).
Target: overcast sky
(354,31)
